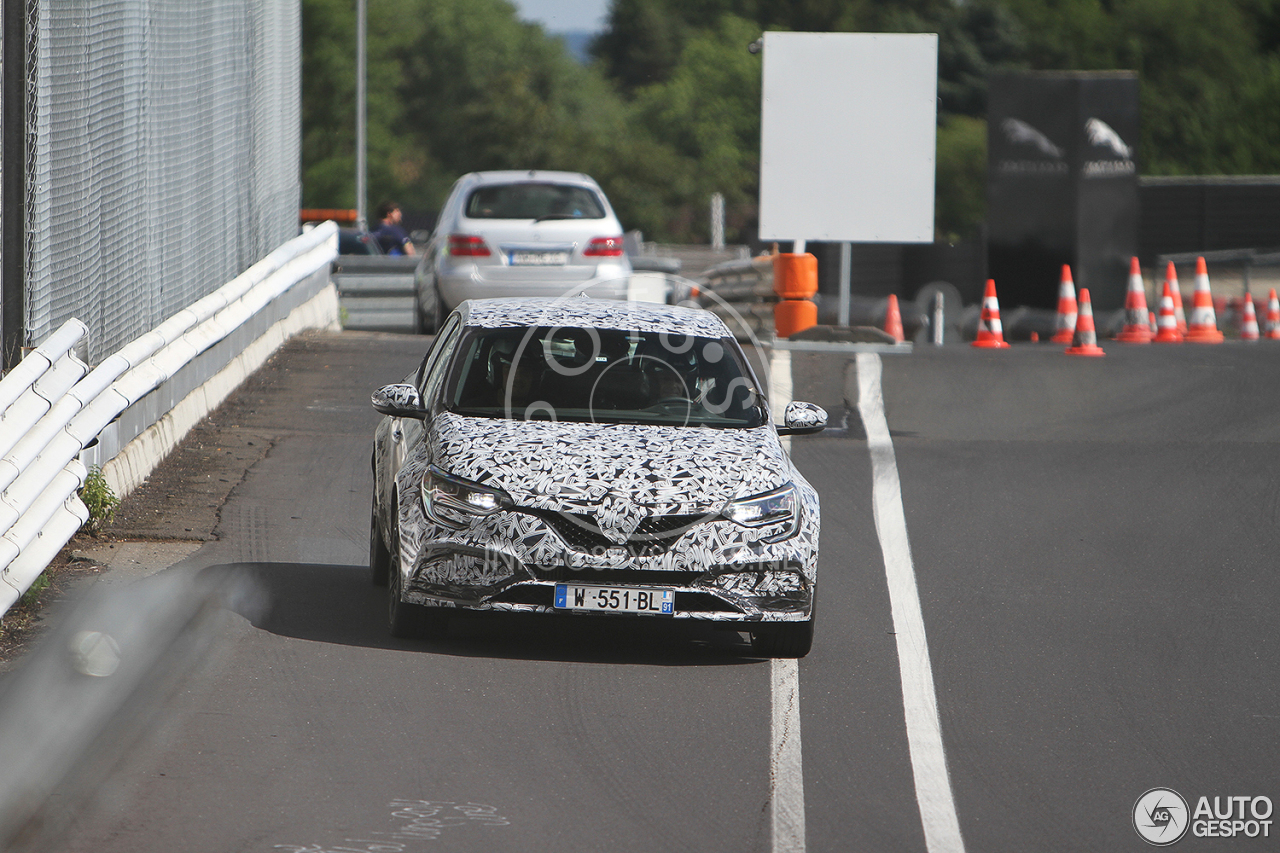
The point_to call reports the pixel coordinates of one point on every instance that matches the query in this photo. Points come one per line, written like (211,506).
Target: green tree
(960,186)
(328,104)
(1208,71)
(685,68)
(709,111)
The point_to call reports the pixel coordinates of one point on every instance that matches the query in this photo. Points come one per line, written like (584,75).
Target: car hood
(578,467)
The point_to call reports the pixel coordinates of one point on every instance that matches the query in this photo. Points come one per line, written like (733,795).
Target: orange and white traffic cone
(893,319)
(1167,326)
(1202,325)
(1065,325)
(1085,340)
(1272,330)
(1248,320)
(990,332)
(1137,325)
(1171,278)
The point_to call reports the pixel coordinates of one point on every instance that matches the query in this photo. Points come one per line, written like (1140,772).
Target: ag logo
(1160,816)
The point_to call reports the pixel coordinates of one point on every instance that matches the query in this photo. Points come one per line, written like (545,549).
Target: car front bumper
(717,570)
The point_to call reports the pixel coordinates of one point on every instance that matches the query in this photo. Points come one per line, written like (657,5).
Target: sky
(558,16)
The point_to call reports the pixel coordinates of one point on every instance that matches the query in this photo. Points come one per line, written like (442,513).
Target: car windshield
(533,201)
(602,376)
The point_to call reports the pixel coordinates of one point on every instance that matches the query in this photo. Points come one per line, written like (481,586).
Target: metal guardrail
(741,293)
(55,407)
(377,292)
(1247,257)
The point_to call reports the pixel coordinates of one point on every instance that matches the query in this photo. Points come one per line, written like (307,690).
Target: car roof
(530,175)
(583,312)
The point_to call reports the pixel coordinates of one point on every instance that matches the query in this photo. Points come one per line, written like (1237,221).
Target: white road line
(786,772)
(786,800)
(924,731)
(780,388)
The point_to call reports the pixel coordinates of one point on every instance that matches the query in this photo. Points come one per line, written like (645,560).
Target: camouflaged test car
(571,456)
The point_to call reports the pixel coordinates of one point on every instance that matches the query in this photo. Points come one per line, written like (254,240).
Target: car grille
(655,534)
(615,577)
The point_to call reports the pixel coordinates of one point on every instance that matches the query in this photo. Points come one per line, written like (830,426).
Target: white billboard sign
(848,132)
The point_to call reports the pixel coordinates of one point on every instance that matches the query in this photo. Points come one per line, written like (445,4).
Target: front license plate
(615,599)
(539,259)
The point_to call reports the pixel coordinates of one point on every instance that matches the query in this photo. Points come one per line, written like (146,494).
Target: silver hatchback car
(533,233)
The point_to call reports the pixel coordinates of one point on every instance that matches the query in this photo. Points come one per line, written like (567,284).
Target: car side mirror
(803,419)
(401,400)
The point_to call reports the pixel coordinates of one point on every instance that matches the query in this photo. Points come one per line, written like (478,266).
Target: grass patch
(99,499)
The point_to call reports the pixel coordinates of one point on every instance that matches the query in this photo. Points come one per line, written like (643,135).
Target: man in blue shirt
(391,237)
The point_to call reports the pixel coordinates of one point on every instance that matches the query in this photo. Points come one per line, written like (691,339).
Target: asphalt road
(1094,547)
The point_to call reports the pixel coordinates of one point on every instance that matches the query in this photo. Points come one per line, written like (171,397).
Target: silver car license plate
(525,258)
(615,599)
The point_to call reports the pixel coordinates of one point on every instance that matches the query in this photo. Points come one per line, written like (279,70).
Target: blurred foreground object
(94,686)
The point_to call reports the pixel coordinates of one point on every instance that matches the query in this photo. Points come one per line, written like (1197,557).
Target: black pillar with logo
(1062,184)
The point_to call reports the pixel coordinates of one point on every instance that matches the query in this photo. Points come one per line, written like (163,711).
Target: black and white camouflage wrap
(801,415)
(401,396)
(616,477)
(593,313)
(619,474)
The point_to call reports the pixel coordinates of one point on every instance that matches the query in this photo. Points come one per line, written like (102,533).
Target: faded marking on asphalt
(924,730)
(786,771)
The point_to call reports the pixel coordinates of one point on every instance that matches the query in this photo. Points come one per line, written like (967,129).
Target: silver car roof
(516,176)
(583,312)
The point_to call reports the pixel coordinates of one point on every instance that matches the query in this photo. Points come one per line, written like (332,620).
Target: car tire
(406,620)
(428,315)
(379,556)
(783,639)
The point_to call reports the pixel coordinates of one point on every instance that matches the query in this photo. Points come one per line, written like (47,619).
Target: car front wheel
(406,620)
(427,312)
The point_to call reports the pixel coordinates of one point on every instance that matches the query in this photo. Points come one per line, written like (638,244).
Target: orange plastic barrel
(794,315)
(795,276)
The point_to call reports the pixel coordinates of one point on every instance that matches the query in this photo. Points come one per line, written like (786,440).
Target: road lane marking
(786,771)
(786,801)
(780,389)
(920,702)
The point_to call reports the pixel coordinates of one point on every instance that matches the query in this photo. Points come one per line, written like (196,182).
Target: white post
(362,203)
(939,318)
(846,274)
(717,222)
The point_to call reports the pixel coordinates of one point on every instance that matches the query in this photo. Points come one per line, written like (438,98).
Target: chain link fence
(164,142)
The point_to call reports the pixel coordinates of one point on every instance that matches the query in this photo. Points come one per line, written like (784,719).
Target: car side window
(440,361)
(433,353)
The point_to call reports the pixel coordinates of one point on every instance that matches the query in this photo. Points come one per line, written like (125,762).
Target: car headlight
(774,507)
(455,502)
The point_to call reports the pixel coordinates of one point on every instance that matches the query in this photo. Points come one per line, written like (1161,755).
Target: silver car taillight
(467,246)
(606,247)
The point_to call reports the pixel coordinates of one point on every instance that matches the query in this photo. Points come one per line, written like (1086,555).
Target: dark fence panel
(1208,213)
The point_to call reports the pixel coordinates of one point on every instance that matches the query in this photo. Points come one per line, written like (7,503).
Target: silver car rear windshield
(602,376)
(528,200)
